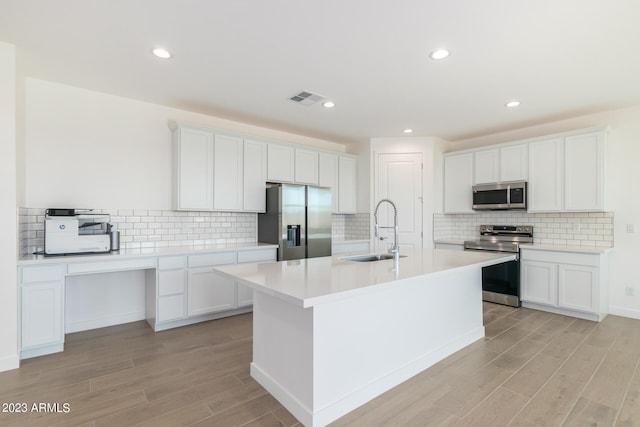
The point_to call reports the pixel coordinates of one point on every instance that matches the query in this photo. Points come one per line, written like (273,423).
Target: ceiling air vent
(306,98)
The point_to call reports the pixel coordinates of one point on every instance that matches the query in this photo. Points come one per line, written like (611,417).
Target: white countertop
(565,248)
(312,281)
(138,253)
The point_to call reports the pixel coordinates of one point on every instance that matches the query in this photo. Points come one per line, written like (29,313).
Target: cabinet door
(513,163)
(539,282)
(208,292)
(584,172)
(347,176)
(193,169)
(42,314)
(458,180)
(227,173)
(245,295)
(255,176)
(485,166)
(170,307)
(578,287)
(171,282)
(328,176)
(545,175)
(280,163)
(306,166)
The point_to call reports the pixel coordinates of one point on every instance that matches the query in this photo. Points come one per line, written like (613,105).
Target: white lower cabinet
(171,288)
(41,310)
(209,292)
(245,295)
(570,283)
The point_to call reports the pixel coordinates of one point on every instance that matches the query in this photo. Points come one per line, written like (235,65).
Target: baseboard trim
(624,312)
(323,416)
(104,322)
(7,363)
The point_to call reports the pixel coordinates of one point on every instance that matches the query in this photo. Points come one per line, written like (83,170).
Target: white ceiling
(243,59)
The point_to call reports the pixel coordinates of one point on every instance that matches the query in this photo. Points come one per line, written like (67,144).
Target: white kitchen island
(330,334)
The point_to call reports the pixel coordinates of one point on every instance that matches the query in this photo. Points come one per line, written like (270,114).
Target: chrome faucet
(395,250)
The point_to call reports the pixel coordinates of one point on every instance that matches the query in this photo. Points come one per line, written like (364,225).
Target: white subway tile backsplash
(562,228)
(155,228)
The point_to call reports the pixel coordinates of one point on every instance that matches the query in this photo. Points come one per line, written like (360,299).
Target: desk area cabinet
(180,289)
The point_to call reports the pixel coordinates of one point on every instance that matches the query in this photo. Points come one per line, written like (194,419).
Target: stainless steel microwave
(511,195)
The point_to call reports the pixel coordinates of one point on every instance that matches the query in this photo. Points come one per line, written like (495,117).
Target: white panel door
(584,172)
(280,163)
(458,181)
(347,175)
(513,163)
(306,167)
(208,292)
(194,169)
(400,180)
(578,287)
(545,175)
(227,173)
(328,176)
(255,176)
(485,166)
(539,282)
(42,314)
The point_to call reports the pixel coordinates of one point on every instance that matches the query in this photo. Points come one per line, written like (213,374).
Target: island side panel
(282,353)
(366,345)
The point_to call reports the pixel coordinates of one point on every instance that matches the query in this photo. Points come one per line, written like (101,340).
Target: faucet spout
(395,250)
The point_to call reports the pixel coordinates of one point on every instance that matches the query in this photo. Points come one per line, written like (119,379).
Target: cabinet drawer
(106,266)
(561,257)
(49,273)
(170,308)
(257,255)
(218,258)
(171,262)
(171,282)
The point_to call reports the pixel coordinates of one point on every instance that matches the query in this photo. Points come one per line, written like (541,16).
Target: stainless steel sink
(369,258)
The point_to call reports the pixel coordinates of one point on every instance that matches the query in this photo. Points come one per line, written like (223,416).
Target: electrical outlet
(629,291)
(631,228)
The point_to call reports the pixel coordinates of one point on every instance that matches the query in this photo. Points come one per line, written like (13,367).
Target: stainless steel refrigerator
(298,220)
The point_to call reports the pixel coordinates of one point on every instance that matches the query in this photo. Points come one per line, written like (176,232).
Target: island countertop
(312,281)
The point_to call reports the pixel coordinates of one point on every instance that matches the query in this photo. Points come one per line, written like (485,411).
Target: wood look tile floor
(532,369)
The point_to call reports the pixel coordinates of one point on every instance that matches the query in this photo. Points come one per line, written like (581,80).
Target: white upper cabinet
(280,163)
(328,176)
(458,180)
(193,169)
(306,166)
(255,176)
(584,172)
(228,173)
(545,175)
(513,163)
(486,166)
(347,176)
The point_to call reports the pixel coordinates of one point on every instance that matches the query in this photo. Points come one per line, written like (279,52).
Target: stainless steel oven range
(501,282)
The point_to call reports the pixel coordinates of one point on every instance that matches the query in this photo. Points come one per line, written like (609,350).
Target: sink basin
(369,258)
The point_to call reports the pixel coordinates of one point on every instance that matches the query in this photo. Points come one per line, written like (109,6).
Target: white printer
(71,231)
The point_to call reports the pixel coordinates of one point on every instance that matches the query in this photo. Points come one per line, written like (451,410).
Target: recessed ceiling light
(407,130)
(512,104)
(439,54)
(329,104)
(161,53)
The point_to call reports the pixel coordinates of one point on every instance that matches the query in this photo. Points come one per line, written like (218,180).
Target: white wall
(431,149)
(8,211)
(623,196)
(93,150)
